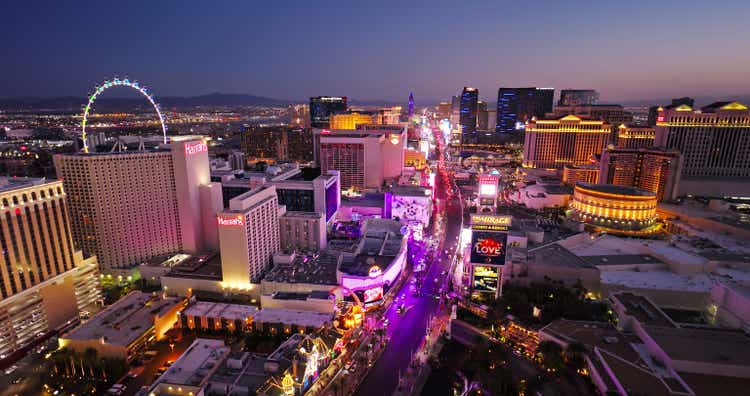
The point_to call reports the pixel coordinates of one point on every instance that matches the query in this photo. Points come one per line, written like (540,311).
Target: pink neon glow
(356,283)
(195,148)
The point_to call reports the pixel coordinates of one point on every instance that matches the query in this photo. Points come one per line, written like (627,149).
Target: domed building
(613,208)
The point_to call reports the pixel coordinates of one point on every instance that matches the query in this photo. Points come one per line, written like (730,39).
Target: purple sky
(626,50)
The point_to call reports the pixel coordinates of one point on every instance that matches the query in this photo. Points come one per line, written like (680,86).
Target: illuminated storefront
(617,209)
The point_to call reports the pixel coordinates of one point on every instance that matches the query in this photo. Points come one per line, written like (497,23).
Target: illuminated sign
(660,119)
(195,148)
(374,294)
(325,132)
(395,138)
(485,278)
(375,271)
(231,221)
(488,247)
(488,185)
(482,222)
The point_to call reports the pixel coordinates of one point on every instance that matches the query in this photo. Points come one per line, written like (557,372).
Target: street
(407,330)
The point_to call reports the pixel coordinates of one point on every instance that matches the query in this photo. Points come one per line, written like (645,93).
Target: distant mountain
(700,101)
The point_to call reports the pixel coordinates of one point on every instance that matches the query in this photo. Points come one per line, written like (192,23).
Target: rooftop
(289,316)
(660,280)
(622,259)
(220,310)
(195,365)
(724,347)
(202,266)
(556,256)
(317,269)
(125,320)
(13,183)
(643,310)
(615,189)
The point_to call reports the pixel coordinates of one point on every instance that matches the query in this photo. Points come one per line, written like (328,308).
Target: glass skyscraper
(321,108)
(468,115)
(515,106)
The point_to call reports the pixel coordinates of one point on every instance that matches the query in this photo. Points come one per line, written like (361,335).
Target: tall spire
(411,104)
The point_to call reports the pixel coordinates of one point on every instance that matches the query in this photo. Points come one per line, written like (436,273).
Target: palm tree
(575,354)
(90,355)
(551,355)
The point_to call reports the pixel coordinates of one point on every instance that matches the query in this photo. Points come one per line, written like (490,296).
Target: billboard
(485,278)
(373,295)
(488,247)
(488,185)
(487,222)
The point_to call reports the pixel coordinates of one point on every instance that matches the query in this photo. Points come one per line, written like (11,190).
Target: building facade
(44,281)
(569,140)
(652,169)
(515,106)
(635,137)
(578,97)
(468,114)
(321,108)
(614,208)
(249,235)
(350,120)
(573,174)
(715,144)
(303,231)
(127,207)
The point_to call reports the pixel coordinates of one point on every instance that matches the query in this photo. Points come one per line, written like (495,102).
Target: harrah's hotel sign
(231,221)
(195,148)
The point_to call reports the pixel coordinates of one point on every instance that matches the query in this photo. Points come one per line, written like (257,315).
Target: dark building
(299,144)
(515,106)
(260,142)
(653,111)
(468,115)
(578,97)
(321,108)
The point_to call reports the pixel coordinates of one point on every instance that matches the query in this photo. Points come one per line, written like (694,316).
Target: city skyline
(258,50)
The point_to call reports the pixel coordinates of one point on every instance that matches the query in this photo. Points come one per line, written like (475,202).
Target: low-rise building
(217,316)
(125,326)
(281,320)
(189,374)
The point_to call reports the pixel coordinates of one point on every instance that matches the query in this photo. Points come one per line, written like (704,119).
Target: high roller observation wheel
(116,82)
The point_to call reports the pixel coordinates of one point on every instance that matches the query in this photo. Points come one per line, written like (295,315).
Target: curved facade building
(614,208)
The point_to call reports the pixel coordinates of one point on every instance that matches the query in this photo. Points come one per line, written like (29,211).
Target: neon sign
(233,221)
(375,271)
(374,294)
(195,148)
(490,222)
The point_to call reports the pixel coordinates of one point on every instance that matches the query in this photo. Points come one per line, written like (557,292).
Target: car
(135,371)
(11,369)
(18,380)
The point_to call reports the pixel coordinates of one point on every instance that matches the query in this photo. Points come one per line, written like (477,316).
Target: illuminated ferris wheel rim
(116,82)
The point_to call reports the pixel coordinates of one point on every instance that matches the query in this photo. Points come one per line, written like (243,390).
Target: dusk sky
(628,50)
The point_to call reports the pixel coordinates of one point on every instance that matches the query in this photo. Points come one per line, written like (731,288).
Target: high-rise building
(455,110)
(633,136)
(578,97)
(573,174)
(715,143)
(365,158)
(388,115)
(482,115)
(350,120)
(321,108)
(468,115)
(127,207)
(614,114)
(653,111)
(444,111)
(516,106)
(299,144)
(652,169)
(568,140)
(411,105)
(44,281)
(249,235)
(299,115)
(263,143)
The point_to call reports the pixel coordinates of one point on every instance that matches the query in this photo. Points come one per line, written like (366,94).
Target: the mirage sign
(488,247)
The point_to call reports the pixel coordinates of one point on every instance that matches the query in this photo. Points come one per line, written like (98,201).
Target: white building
(303,231)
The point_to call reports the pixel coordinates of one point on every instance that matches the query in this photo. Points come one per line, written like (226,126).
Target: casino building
(615,209)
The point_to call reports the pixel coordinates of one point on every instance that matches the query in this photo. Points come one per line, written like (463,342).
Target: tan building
(653,169)
(44,281)
(573,174)
(350,120)
(715,142)
(569,140)
(125,326)
(634,137)
(127,207)
(249,236)
(303,231)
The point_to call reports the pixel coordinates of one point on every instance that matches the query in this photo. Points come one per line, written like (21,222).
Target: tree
(551,355)
(575,355)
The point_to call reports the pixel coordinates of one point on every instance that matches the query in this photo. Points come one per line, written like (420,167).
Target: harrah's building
(127,207)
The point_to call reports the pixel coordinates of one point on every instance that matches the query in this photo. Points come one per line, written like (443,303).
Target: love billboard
(488,247)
